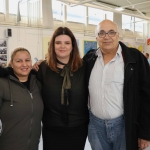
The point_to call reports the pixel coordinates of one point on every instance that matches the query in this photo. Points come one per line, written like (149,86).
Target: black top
(51,93)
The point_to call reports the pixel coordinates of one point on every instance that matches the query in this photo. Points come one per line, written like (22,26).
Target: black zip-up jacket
(20,114)
(136,93)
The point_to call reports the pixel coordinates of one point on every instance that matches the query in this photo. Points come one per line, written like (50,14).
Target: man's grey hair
(98,27)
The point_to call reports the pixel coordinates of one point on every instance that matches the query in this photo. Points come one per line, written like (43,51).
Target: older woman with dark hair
(62,74)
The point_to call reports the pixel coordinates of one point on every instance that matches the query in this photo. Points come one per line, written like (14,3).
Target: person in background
(21,105)
(118,80)
(147,56)
(62,74)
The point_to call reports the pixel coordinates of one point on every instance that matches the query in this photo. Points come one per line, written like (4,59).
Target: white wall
(32,39)
(25,37)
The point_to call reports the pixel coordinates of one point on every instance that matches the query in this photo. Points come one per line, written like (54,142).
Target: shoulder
(43,65)
(136,53)
(35,81)
(90,55)
(3,80)
(91,52)
(131,52)
(3,83)
(4,72)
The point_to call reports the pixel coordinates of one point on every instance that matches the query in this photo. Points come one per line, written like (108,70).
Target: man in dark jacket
(118,79)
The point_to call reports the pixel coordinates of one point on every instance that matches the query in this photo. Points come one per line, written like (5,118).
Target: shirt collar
(119,51)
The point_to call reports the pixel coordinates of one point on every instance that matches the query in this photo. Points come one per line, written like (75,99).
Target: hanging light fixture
(119,8)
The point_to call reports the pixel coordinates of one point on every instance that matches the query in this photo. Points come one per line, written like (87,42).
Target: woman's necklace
(59,62)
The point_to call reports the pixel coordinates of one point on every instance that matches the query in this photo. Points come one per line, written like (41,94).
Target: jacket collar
(127,54)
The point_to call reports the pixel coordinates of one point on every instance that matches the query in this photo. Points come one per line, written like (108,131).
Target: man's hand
(36,65)
(143,144)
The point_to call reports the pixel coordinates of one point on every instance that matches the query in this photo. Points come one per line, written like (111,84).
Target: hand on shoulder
(36,65)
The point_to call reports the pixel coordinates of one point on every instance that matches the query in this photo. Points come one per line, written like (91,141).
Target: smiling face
(21,64)
(63,47)
(108,44)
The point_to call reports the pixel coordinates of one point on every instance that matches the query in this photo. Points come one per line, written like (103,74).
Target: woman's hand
(36,65)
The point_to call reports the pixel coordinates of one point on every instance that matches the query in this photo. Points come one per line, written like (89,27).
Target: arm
(40,71)
(36,65)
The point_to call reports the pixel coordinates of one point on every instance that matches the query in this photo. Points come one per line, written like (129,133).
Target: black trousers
(64,138)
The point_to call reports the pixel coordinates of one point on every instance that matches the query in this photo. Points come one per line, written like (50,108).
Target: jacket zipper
(31,119)
(31,113)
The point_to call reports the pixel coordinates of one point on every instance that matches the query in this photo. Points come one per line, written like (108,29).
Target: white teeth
(24,69)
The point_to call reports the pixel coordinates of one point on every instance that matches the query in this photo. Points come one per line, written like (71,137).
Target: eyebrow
(108,31)
(62,41)
(21,58)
